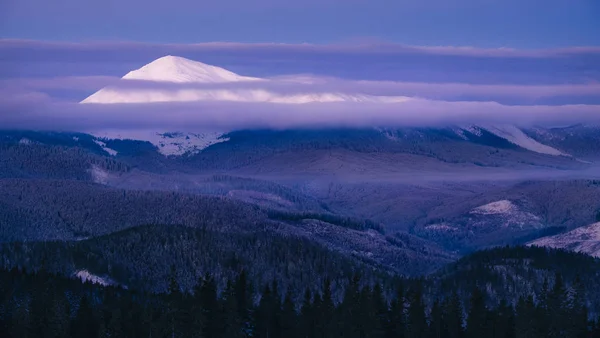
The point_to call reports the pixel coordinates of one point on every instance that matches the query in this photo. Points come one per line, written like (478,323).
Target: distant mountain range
(294,204)
(165,80)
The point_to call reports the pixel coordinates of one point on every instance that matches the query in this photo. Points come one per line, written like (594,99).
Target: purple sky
(480,23)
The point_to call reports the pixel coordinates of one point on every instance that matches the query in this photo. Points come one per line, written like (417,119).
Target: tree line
(46,305)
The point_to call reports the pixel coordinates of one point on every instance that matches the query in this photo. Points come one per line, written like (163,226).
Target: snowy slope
(503,213)
(585,240)
(86,276)
(172,69)
(518,137)
(181,70)
(494,208)
(111,152)
(172,143)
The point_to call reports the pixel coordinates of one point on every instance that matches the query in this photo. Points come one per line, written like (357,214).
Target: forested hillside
(271,251)
(45,305)
(510,273)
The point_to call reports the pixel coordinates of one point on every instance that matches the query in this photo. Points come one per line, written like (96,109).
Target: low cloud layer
(31,112)
(502,93)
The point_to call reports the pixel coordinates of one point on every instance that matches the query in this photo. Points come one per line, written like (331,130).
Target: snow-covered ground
(181,70)
(174,143)
(86,276)
(111,152)
(99,175)
(518,137)
(498,207)
(441,227)
(505,213)
(584,239)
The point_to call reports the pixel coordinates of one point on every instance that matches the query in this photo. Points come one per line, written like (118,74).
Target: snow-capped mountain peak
(181,70)
(174,69)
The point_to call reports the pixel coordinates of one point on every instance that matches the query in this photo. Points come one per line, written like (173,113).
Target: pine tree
(243,294)
(307,317)
(197,309)
(526,326)
(577,318)
(210,307)
(503,321)
(379,309)
(350,319)
(85,324)
(396,320)
(326,308)
(289,318)
(416,321)
(452,314)
(436,325)
(174,306)
(276,309)
(20,325)
(231,315)
(557,308)
(477,318)
(265,315)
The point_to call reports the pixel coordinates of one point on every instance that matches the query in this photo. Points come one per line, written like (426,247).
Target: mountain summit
(181,70)
(177,70)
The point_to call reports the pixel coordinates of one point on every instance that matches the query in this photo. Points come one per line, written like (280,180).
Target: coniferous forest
(46,305)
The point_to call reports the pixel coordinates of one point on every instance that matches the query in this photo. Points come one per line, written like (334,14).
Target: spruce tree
(232,322)
(244,298)
(557,309)
(290,323)
(20,325)
(396,320)
(265,314)
(379,309)
(210,307)
(326,318)
(452,314)
(477,318)
(307,316)
(416,322)
(436,324)
(577,316)
(84,324)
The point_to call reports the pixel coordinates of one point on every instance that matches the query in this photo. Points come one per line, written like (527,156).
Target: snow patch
(475,130)
(584,239)
(167,143)
(440,227)
(25,141)
(99,175)
(503,213)
(461,133)
(86,276)
(518,137)
(111,152)
(494,208)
